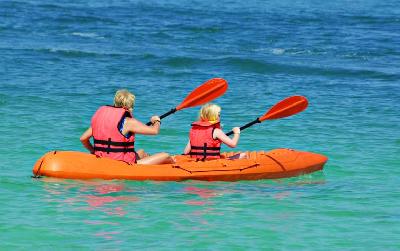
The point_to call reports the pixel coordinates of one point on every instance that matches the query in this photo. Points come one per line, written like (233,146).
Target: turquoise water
(61,60)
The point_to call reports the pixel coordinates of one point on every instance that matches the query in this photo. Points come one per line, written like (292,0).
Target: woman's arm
(219,134)
(135,126)
(85,139)
(187,148)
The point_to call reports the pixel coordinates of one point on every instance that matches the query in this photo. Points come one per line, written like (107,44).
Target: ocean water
(61,60)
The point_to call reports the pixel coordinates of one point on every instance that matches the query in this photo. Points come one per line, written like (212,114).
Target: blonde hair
(124,98)
(210,112)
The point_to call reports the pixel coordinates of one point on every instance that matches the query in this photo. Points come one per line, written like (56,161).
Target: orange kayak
(278,163)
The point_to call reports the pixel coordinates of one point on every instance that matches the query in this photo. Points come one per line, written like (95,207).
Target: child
(206,136)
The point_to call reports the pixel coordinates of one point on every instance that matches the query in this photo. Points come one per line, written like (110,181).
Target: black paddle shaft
(164,115)
(246,125)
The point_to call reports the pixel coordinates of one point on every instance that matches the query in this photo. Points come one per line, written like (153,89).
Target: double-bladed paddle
(284,108)
(206,92)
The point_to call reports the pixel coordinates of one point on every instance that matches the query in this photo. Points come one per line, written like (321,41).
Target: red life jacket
(202,144)
(108,140)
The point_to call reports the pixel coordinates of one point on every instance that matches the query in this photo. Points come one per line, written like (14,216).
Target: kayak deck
(278,163)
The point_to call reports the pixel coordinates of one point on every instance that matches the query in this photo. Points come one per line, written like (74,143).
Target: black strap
(204,152)
(114,150)
(207,148)
(108,145)
(113,143)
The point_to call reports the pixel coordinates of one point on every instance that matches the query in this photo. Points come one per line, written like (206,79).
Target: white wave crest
(86,34)
(278,51)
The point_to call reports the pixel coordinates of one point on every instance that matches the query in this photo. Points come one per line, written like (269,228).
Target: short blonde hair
(124,98)
(209,112)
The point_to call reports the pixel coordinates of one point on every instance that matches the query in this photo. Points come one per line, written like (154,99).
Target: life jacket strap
(113,143)
(204,151)
(207,148)
(128,146)
(114,150)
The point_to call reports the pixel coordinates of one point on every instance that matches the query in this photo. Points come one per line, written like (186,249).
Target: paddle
(284,108)
(206,92)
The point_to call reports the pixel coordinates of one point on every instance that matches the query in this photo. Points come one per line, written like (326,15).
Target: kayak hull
(278,163)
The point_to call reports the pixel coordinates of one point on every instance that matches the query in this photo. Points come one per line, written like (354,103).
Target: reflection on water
(282,195)
(203,194)
(114,209)
(89,198)
(89,195)
(108,235)
(98,222)
(305,179)
(109,188)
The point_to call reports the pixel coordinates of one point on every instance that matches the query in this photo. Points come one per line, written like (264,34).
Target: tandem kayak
(278,163)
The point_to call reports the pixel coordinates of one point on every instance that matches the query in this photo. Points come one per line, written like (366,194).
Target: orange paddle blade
(206,92)
(285,108)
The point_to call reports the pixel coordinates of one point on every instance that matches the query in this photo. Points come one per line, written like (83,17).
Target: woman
(206,136)
(113,129)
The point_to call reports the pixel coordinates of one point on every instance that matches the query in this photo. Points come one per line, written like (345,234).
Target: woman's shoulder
(130,120)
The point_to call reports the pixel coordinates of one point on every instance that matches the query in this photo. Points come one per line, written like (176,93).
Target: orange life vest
(108,140)
(202,144)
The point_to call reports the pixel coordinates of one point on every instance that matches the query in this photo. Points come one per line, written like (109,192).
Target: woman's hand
(155,119)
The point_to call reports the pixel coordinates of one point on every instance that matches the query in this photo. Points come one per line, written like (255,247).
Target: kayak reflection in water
(206,136)
(113,129)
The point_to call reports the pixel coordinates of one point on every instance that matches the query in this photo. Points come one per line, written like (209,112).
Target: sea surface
(61,60)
